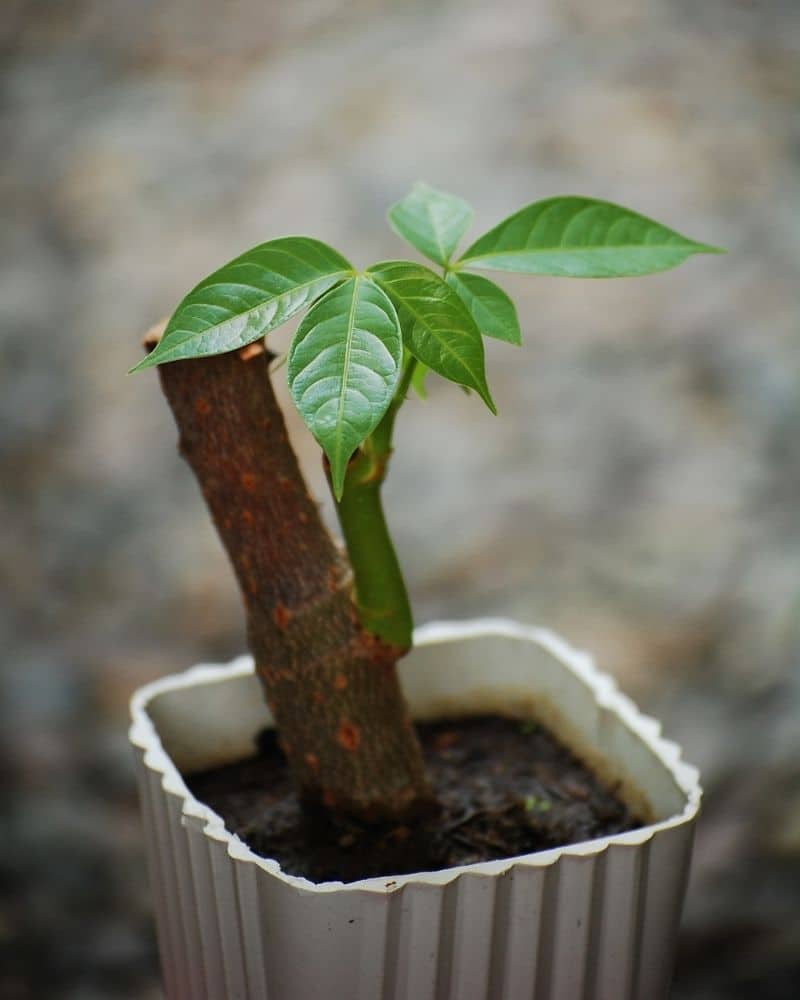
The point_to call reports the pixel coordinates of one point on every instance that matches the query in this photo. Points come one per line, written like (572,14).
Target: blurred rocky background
(639,490)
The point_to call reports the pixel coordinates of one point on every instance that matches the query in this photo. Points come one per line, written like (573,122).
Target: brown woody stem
(331,685)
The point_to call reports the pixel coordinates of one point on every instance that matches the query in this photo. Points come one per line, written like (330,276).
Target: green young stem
(381,437)
(380,591)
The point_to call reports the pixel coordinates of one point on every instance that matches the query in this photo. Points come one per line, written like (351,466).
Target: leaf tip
(146,362)
(709,248)
(486,396)
(337,471)
(337,482)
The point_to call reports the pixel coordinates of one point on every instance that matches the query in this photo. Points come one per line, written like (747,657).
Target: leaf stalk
(380,592)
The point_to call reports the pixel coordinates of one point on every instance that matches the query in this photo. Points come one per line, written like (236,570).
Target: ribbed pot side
(594,921)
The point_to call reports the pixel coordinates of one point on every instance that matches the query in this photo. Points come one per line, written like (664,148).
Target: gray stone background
(638,491)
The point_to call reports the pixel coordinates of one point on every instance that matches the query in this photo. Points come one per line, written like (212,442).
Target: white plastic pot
(594,921)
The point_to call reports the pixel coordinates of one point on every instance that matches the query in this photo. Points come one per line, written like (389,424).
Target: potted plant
(568,882)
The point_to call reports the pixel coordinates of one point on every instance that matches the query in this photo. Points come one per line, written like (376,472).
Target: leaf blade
(580,237)
(437,327)
(343,367)
(247,297)
(431,221)
(494,313)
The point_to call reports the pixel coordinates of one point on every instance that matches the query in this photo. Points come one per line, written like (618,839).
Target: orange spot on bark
(348,736)
(302,517)
(247,516)
(312,761)
(252,585)
(281,616)
(328,799)
(340,682)
(317,696)
(202,407)
(284,482)
(248,481)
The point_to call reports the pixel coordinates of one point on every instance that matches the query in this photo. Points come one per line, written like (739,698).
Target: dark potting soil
(505,787)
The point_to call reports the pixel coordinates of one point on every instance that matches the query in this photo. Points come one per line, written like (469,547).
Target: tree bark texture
(332,686)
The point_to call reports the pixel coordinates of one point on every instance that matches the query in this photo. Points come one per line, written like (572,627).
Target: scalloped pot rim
(144,736)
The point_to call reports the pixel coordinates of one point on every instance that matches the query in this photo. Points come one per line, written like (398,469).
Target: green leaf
(437,327)
(580,238)
(432,221)
(344,365)
(493,311)
(248,297)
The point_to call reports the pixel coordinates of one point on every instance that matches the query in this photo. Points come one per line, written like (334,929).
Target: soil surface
(505,787)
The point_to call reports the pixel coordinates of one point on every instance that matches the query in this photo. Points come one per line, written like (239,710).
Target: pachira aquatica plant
(326,627)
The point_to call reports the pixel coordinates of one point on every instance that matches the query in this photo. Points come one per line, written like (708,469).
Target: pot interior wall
(214,720)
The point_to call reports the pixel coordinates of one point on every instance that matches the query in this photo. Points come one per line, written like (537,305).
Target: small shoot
(536,804)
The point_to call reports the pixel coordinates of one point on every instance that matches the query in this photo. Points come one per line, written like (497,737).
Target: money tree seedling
(326,628)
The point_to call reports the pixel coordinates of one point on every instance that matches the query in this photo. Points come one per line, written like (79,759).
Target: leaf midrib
(346,366)
(443,257)
(336,275)
(690,248)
